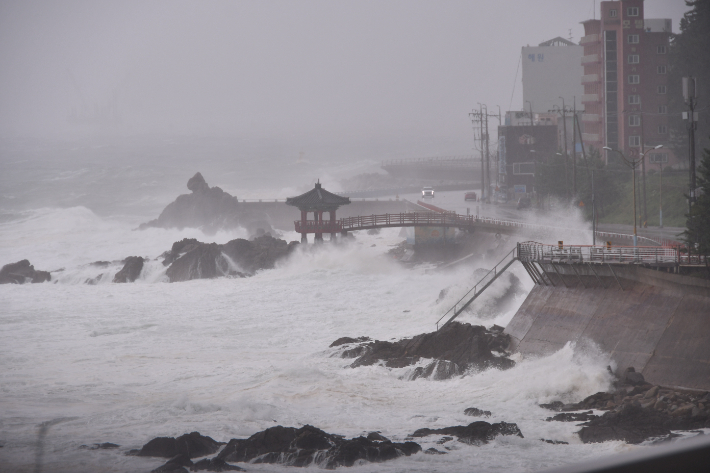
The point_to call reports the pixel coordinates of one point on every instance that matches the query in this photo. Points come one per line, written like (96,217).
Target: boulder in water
(455,349)
(475,433)
(21,273)
(310,445)
(131,270)
(192,445)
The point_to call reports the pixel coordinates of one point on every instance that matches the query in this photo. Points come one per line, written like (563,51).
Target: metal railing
(650,255)
(478,288)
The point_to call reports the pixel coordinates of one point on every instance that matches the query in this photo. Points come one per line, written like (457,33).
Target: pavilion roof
(318,199)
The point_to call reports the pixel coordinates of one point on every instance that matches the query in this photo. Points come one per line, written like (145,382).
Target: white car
(427,192)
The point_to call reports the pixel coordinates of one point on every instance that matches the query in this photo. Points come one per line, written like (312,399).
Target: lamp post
(633,164)
(660,195)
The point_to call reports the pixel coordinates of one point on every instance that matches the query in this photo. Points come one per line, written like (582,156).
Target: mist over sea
(125,363)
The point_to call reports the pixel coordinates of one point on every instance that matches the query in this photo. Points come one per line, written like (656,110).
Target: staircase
(480,286)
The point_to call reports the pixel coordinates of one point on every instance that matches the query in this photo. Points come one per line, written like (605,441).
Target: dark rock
(555,442)
(193,445)
(214,464)
(175,465)
(131,270)
(100,446)
(309,445)
(22,272)
(100,264)
(443,440)
(190,259)
(433,451)
(197,183)
(455,349)
(377,437)
(346,340)
(632,377)
(634,424)
(475,433)
(553,406)
(475,412)
(573,417)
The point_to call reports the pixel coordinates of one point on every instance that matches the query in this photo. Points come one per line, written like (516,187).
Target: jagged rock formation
(192,445)
(190,259)
(310,445)
(475,433)
(131,270)
(637,411)
(22,272)
(454,349)
(208,208)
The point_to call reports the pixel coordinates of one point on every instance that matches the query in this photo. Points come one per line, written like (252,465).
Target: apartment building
(625,82)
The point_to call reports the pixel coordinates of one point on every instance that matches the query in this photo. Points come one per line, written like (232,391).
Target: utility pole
(574,148)
(689,94)
(564,128)
(488,157)
(477,117)
(642,148)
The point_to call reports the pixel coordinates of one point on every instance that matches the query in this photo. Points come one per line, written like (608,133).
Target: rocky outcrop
(475,433)
(309,445)
(22,272)
(636,411)
(476,412)
(190,259)
(208,208)
(191,445)
(455,349)
(131,270)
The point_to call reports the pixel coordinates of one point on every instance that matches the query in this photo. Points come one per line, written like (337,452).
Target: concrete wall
(659,323)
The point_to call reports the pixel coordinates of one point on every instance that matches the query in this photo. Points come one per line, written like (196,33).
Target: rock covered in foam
(454,350)
(22,272)
(132,267)
(190,259)
(190,445)
(475,433)
(309,445)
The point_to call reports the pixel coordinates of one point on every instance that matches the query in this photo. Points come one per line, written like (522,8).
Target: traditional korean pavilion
(318,201)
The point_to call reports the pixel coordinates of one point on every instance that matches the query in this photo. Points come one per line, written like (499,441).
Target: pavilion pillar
(332,222)
(304,220)
(319,218)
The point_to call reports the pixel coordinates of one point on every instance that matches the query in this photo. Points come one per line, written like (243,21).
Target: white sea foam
(124,363)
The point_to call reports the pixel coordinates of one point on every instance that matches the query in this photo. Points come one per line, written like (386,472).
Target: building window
(633,58)
(633,39)
(663,109)
(661,89)
(634,120)
(634,79)
(612,13)
(634,140)
(634,99)
(632,11)
(662,129)
(661,49)
(661,69)
(658,158)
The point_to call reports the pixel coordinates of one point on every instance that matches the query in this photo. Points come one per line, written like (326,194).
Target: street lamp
(633,164)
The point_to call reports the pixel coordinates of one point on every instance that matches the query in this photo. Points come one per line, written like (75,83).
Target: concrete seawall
(657,322)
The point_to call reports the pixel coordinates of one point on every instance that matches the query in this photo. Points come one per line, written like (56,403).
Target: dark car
(524,203)
(470,196)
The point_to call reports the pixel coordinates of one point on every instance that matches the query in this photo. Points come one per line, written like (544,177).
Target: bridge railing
(312,226)
(652,255)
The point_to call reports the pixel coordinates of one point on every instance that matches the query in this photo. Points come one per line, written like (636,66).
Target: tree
(697,233)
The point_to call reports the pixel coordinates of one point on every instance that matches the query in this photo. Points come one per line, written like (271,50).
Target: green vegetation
(697,233)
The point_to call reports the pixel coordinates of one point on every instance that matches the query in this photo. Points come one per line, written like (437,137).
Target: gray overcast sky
(273,68)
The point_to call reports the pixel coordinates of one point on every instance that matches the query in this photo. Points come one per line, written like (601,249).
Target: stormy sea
(100,362)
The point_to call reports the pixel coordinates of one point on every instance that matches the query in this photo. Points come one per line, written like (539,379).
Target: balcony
(590,98)
(591,117)
(590,78)
(592,38)
(590,59)
(591,137)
